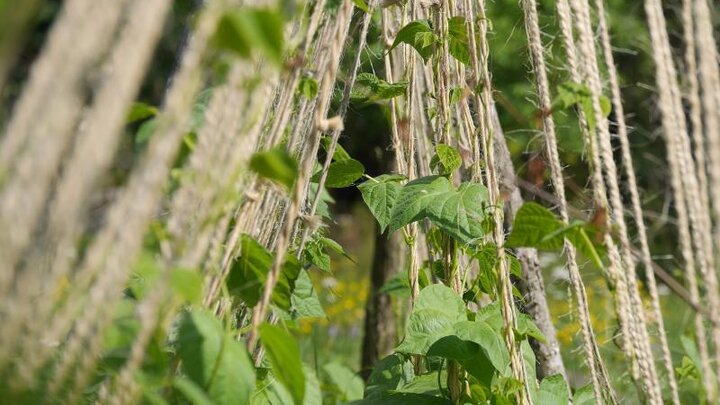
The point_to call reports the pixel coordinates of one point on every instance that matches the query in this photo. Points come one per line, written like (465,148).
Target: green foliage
(361,5)
(446,160)
(419,35)
(370,88)
(188,284)
(213,360)
(248,30)
(284,355)
(304,300)
(380,194)
(437,308)
(458,43)
(275,164)
(140,111)
(342,173)
(571,93)
(553,390)
(349,386)
(247,277)
(535,226)
(308,87)
(458,212)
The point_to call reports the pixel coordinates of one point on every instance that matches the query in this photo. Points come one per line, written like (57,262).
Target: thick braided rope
(299,192)
(93,153)
(634,194)
(634,312)
(103,123)
(221,135)
(120,239)
(342,111)
(614,269)
(673,124)
(479,62)
(710,80)
(601,385)
(51,104)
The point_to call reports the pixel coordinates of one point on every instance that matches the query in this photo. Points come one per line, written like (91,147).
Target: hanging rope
(485,110)
(622,133)
(674,126)
(634,312)
(601,384)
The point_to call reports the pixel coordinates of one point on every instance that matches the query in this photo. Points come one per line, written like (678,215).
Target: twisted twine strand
(601,385)
(634,195)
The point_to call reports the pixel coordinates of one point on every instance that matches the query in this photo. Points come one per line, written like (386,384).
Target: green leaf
(398,285)
(425,384)
(389,374)
(323,208)
(275,164)
(304,299)
(380,194)
(348,384)
(284,355)
(526,327)
(308,87)
(140,111)
(188,284)
(369,87)
(191,391)
(249,272)
(342,173)
(437,309)
(461,213)
(361,5)
(571,93)
(553,390)
(584,396)
(414,198)
(315,254)
(146,130)
(456,94)
(487,338)
(535,226)
(340,152)
(458,44)
(419,35)
(446,160)
(248,29)
(213,360)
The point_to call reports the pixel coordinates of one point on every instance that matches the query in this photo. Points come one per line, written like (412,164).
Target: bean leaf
(380,194)
(419,35)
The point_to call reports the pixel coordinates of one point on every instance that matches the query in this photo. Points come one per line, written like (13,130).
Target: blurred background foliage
(338,338)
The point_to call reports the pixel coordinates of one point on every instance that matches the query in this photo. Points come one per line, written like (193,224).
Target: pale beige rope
(634,195)
(635,312)
(710,79)
(673,124)
(695,104)
(614,269)
(263,206)
(335,132)
(601,386)
(299,190)
(96,143)
(119,241)
(222,148)
(50,104)
(479,58)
